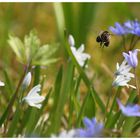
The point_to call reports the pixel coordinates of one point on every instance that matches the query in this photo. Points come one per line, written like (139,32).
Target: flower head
(133,27)
(79,54)
(33,98)
(122,80)
(131,58)
(1,84)
(129,110)
(92,128)
(118,29)
(123,69)
(123,75)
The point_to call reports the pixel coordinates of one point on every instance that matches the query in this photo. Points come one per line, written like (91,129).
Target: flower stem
(124,43)
(131,43)
(137,84)
(9,108)
(135,42)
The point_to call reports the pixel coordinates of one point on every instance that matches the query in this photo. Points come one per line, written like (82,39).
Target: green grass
(37,42)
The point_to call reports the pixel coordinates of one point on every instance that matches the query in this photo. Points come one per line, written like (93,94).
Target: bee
(103,38)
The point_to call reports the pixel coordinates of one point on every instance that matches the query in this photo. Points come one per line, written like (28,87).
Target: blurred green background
(83,20)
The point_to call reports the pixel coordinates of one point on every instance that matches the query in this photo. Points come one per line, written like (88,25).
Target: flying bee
(103,38)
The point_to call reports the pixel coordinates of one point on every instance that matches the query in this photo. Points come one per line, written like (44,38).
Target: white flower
(66,134)
(123,75)
(33,98)
(124,69)
(2,84)
(79,55)
(71,40)
(122,80)
(27,80)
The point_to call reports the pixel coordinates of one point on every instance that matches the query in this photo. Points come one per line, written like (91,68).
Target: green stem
(114,104)
(137,84)
(9,108)
(107,104)
(131,43)
(124,44)
(135,42)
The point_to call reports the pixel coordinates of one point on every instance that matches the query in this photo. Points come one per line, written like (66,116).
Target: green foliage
(30,51)
(70,92)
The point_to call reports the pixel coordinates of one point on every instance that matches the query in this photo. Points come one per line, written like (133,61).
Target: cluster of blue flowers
(130,62)
(128,27)
(92,128)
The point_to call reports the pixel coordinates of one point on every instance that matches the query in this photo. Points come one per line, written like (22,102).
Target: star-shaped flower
(130,109)
(33,98)
(133,27)
(92,128)
(123,75)
(118,29)
(131,58)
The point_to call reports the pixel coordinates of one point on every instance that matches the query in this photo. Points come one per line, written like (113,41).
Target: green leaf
(90,108)
(46,51)
(8,85)
(108,122)
(30,50)
(31,43)
(128,125)
(85,79)
(84,21)
(57,89)
(87,108)
(17,46)
(65,91)
(14,124)
(45,61)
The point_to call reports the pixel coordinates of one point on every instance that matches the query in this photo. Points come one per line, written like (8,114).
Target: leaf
(9,86)
(14,124)
(45,62)
(87,108)
(31,43)
(17,46)
(84,21)
(65,91)
(45,51)
(128,125)
(108,122)
(85,79)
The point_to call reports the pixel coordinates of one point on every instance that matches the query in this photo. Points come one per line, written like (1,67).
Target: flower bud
(27,80)
(71,40)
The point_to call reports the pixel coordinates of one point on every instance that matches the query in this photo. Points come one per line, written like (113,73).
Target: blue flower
(130,109)
(92,128)
(131,58)
(118,29)
(132,27)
